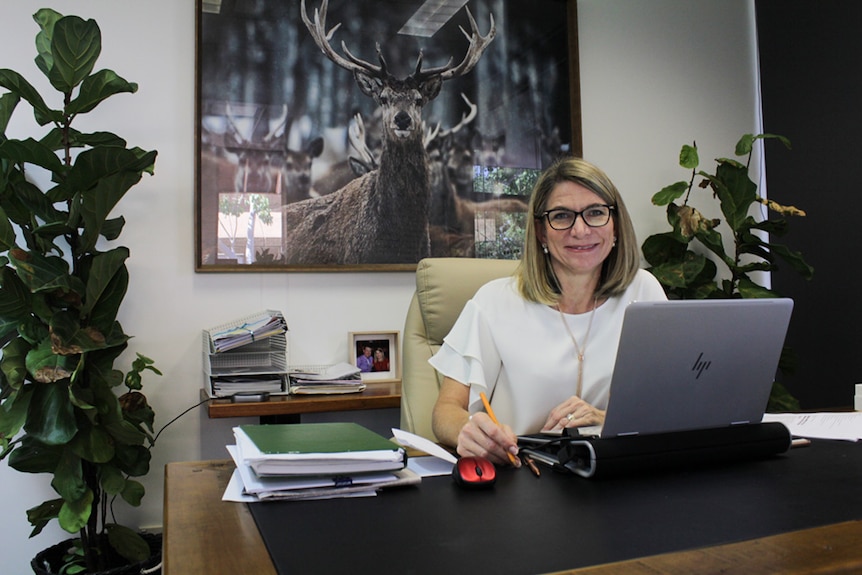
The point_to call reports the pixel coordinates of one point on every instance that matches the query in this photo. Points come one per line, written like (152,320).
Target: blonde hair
(536,279)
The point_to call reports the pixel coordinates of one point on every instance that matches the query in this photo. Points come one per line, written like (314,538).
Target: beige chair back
(443,286)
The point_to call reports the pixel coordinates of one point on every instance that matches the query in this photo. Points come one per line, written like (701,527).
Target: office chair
(443,286)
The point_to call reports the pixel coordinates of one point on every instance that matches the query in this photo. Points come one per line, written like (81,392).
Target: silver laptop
(694,364)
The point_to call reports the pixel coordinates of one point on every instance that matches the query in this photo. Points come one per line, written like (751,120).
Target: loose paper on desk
(438,462)
(823,425)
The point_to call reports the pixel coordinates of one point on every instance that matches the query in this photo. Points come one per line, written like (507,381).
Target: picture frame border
(576,149)
(393,337)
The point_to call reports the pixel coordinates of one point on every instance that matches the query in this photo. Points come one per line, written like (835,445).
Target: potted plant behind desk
(66,411)
(689,274)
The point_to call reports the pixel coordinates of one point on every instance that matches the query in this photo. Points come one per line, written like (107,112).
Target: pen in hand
(493,417)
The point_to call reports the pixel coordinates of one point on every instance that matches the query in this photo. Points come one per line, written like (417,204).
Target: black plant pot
(49,561)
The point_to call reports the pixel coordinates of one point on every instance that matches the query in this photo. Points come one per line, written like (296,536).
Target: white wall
(654,75)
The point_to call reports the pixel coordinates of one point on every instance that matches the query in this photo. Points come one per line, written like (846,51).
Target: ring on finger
(570,416)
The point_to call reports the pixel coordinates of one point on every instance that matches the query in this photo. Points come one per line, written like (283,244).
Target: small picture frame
(376,354)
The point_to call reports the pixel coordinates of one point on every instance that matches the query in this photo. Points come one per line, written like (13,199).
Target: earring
(615,243)
(545,248)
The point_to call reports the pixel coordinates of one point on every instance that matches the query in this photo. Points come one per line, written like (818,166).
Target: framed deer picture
(336,135)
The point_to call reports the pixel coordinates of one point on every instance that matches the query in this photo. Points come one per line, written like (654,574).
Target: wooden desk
(202,534)
(377,395)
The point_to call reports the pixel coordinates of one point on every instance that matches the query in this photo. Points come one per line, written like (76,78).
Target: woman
(381,362)
(542,344)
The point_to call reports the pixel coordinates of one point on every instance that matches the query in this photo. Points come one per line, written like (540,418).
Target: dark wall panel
(811,73)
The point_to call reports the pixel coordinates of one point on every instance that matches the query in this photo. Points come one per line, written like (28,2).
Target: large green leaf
(69,337)
(94,444)
(688,157)
(32,152)
(113,227)
(29,201)
(123,432)
(45,18)
(133,459)
(735,191)
(68,479)
(127,543)
(680,274)
(15,83)
(97,163)
(112,479)
(41,273)
(795,259)
(51,417)
(749,289)
(15,298)
(664,247)
(73,515)
(100,364)
(670,193)
(133,492)
(8,103)
(13,361)
(33,456)
(40,515)
(75,45)
(96,88)
(7,232)
(13,414)
(46,366)
(712,240)
(103,269)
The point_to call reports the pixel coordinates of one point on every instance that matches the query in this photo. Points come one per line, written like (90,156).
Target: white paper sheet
(822,425)
(408,439)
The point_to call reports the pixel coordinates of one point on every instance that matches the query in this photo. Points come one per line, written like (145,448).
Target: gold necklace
(580,351)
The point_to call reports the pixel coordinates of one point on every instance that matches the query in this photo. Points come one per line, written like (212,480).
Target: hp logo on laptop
(700,365)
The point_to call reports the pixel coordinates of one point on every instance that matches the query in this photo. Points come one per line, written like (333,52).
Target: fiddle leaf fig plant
(687,273)
(65,409)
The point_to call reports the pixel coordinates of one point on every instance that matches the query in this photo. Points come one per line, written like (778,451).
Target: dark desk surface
(377,395)
(792,514)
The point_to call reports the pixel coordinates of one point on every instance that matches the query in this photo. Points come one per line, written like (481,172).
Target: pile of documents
(314,461)
(246,330)
(339,378)
(247,355)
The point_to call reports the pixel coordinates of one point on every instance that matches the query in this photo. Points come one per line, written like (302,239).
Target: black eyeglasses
(594,216)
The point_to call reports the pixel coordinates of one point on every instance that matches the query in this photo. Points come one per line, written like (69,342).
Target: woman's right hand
(483,438)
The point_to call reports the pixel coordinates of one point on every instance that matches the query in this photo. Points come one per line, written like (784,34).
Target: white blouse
(520,354)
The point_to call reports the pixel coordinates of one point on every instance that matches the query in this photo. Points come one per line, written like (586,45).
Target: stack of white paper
(294,472)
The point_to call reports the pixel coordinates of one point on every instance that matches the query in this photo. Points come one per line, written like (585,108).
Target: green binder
(317,449)
(316,438)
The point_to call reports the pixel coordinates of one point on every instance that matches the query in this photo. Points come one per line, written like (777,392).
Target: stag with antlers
(382,216)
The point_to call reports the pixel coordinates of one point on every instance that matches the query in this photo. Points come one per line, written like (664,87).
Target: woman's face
(580,249)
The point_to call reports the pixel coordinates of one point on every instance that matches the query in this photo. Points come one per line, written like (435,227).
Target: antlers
(268,141)
(322,38)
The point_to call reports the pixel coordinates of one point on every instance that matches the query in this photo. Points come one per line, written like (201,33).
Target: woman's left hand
(574,412)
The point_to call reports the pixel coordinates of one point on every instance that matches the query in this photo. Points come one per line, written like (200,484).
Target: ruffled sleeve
(469,353)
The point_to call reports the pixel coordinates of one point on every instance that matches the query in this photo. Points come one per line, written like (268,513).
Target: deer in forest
(382,216)
(453,214)
(270,166)
(340,173)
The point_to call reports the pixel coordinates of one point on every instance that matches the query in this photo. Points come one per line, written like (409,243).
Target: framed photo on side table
(376,354)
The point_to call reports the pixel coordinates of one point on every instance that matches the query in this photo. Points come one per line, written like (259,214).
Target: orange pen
(493,417)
